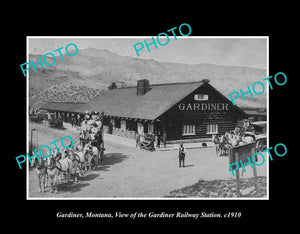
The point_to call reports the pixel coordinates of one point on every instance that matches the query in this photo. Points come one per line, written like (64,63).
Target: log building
(191,111)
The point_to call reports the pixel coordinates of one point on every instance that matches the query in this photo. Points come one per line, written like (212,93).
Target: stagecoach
(91,133)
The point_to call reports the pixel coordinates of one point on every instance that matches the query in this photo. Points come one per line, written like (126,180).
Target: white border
(138,198)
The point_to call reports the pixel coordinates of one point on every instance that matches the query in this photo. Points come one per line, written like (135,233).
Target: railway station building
(187,112)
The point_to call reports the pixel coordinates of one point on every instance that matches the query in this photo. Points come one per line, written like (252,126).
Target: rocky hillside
(92,71)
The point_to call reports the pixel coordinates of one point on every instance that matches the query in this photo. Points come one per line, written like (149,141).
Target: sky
(228,51)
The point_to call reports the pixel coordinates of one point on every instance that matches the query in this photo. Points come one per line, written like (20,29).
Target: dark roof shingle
(64,106)
(125,102)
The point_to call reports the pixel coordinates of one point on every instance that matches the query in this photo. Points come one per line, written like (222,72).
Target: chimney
(205,80)
(112,86)
(143,86)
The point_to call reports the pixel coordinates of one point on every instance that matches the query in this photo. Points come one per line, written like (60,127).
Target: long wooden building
(190,111)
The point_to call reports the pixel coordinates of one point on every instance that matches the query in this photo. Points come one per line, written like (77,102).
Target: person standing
(78,120)
(110,128)
(73,120)
(94,132)
(164,138)
(98,120)
(137,140)
(158,139)
(181,155)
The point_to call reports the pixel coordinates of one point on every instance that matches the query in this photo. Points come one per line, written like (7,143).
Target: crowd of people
(91,129)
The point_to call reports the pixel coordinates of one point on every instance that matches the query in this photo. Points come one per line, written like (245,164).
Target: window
(117,123)
(188,129)
(150,128)
(123,125)
(201,97)
(212,128)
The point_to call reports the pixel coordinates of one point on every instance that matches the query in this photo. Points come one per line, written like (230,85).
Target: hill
(93,70)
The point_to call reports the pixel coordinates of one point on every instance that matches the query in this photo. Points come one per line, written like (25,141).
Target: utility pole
(30,150)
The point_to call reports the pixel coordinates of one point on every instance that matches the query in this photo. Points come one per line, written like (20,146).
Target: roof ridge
(67,102)
(159,84)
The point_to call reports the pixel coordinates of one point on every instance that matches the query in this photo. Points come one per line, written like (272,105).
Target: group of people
(33,111)
(232,138)
(91,130)
(75,120)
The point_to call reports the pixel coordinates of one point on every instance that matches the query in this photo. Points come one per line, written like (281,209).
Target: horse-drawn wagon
(91,133)
(79,158)
(250,132)
(222,143)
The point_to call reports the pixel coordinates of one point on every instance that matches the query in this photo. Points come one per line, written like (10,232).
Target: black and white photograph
(147,117)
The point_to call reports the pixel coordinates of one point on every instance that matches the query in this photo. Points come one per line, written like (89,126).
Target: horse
(216,141)
(91,154)
(224,144)
(82,158)
(41,173)
(67,165)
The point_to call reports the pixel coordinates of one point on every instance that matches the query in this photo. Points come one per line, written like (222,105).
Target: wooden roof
(64,106)
(124,102)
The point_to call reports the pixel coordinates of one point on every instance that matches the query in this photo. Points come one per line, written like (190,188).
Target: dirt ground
(129,172)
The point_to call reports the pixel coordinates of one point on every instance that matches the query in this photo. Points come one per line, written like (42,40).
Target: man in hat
(84,124)
(98,120)
(137,140)
(164,138)
(181,155)
(84,130)
(73,120)
(69,157)
(94,134)
(86,115)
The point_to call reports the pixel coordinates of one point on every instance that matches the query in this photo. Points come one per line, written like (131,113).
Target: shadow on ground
(108,160)
(113,158)
(72,187)
(88,177)
(58,128)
